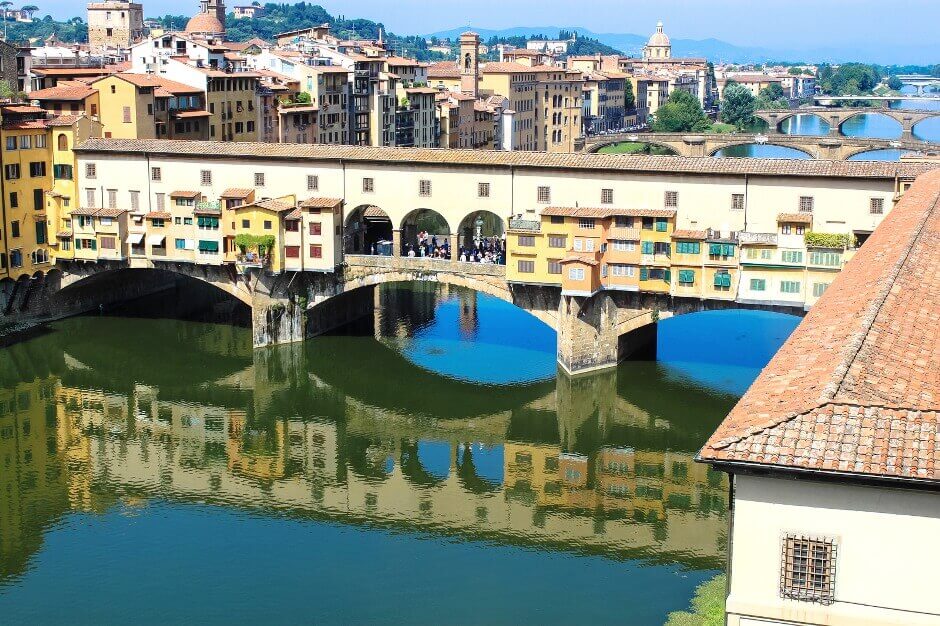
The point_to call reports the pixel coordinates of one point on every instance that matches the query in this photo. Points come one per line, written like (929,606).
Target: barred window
(526,240)
(737,202)
(259,179)
(313,183)
(586,222)
(808,569)
(556,241)
(205,177)
(155,174)
(607,196)
(671,199)
(554,266)
(91,170)
(526,267)
(424,188)
(877,206)
(806,204)
(368,185)
(483,190)
(544,195)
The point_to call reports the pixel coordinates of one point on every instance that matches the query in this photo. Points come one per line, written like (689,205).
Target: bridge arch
(479,224)
(426,220)
(751,142)
(894,121)
(672,148)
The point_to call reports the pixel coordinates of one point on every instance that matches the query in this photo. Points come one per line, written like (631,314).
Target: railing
(528,225)
(624,233)
(251,260)
(424,264)
(768,239)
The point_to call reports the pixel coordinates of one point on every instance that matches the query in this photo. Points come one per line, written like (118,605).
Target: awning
(134,238)
(155,240)
(209,246)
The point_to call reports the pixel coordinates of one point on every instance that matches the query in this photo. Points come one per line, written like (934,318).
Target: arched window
(467,62)
(63,142)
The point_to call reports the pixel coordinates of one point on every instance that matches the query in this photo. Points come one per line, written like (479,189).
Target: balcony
(251,260)
(623,233)
(761,239)
(532,226)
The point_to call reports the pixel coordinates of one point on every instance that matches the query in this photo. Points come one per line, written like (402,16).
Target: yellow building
(144,106)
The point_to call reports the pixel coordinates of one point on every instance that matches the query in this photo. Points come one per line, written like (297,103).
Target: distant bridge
(836,117)
(695,145)
(919,81)
(824,99)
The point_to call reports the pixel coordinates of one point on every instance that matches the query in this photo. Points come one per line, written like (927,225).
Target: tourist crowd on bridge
(484,250)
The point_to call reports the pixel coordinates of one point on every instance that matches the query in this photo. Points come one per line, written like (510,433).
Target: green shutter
(647,247)
(200,221)
(644,273)
(94,244)
(208,246)
(214,222)
(726,280)
(667,276)
(661,225)
(727,249)
(687,276)
(718,280)
(714,249)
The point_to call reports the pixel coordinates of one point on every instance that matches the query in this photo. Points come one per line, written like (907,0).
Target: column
(396,242)
(454,251)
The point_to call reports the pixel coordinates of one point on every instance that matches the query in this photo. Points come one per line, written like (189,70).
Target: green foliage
(708,606)
(682,113)
(260,243)
(302,98)
(73,30)
(828,240)
(894,83)
(737,105)
(629,101)
(849,79)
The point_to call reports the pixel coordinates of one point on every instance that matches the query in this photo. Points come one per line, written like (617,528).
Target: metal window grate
(607,196)
(259,179)
(205,177)
(424,188)
(313,183)
(483,190)
(737,202)
(544,195)
(671,199)
(806,204)
(877,206)
(808,569)
(368,185)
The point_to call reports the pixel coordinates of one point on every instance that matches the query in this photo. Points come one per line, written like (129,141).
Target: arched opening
(761,150)
(425,233)
(927,130)
(62,142)
(368,230)
(481,238)
(808,124)
(414,456)
(885,154)
(871,125)
(480,468)
(636,147)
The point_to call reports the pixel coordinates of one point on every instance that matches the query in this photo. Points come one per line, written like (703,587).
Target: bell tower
(469,63)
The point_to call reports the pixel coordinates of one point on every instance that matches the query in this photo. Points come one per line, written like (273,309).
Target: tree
(894,83)
(682,113)
(771,97)
(5,5)
(772,92)
(629,99)
(29,9)
(737,105)
(303,98)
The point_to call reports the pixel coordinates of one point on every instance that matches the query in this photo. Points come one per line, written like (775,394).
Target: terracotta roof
(574,258)
(158,215)
(185,194)
(109,212)
(89,211)
(65,90)
(689,234)
(795,218)
(191,114)
(23,108)
(236,192)
(855,390)
(320,203)
(269,204)
(374,211)
(63,120)
(443,69)
(24,124)
(507,68)
(172,87)
(73,71)
(607,212)
(206,211)
(296,214)
(495,158)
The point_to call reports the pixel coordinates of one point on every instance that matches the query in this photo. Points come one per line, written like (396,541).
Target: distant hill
(717,50)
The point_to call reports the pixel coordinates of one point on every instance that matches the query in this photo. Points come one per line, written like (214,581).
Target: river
(425,466)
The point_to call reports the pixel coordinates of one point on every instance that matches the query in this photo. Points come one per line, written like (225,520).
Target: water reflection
(106,417)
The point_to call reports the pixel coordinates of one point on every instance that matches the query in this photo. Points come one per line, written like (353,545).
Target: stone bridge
(692,145)
(593,332)
(835,117)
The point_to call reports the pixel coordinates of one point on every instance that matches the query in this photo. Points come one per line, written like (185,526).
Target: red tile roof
(795,218)
(185,194)
(65,90)
(856,388)
(235,192)
(607,212)
(690,234)
(320,203)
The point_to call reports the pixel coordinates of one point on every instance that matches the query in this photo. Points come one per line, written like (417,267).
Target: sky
(813,23)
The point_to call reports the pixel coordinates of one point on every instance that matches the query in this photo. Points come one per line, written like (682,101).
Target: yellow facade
(263,219)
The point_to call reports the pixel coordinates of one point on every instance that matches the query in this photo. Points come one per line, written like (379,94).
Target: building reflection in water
(594,464)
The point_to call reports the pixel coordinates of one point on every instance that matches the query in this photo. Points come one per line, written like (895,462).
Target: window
(589,245)
(292,226)
(662,224)
(127,115)
(11,171)
(316,228)
(11,143)
(313,183)
(585,222)
(38,199)
(686,277)
(108,243)
(157,222)
(135,200)
(607,196)
(758,284)
(368,185)
(112,198)
(828,259)
(526,240)
(155,174)
(25,142)
(737,202)
(819,289)
(41,231)
(576,273)
(316,251)
(623,221)
(791,256)
(789,286)
(37,169)
(556,241)
(557,219)
(424,188)
(161,202)
(205,177)
(647,223)
(292,252)
(618,269)
(14,200)
(688,247)
(808,569)
(483,190)
(722,280)
(39,141)
(259,179)
(671,199)
(806,204)
(91,170)
(647,247)
(876,206)
(544,195)
(624,246)
(208,247)
(554,266)
(180,244)
(526,267)
(246,223)
(267,224)
(62,172)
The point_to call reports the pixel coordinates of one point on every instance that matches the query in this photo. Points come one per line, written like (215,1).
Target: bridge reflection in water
(111,414)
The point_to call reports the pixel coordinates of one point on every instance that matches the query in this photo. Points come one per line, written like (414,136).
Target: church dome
(659,38)
(204,23)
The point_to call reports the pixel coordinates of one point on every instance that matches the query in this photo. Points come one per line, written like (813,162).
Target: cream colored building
(114,25)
